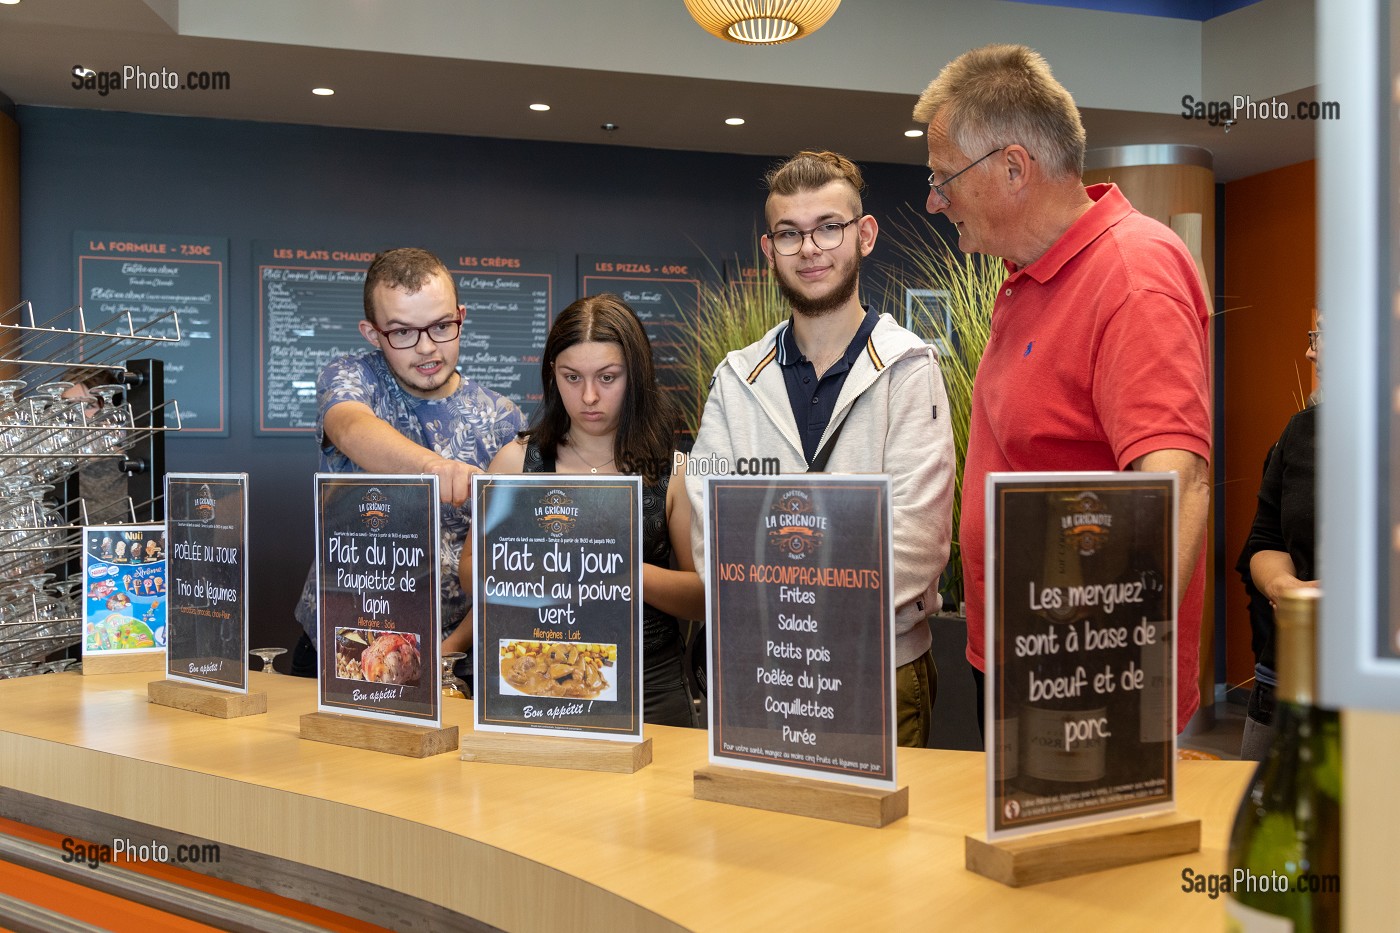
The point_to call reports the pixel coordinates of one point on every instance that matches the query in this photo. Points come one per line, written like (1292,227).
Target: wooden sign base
(550,751)
(123,663)
(825,800)
(394,738)
(205,700)
(1023,860)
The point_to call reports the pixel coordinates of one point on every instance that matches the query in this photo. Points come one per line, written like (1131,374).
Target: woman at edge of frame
(603,413)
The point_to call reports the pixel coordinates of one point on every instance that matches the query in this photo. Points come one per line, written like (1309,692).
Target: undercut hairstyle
(810,170)
(647,422)
(408,269)
(1001,95)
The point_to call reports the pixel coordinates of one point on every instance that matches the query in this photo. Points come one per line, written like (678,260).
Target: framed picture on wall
(927,313)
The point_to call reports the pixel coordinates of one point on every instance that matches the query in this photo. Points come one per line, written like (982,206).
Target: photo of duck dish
(377,657)
(572,670)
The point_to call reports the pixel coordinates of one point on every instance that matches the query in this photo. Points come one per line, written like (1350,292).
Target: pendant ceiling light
(761,22)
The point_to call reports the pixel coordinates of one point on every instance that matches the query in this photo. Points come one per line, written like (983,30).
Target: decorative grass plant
(731,316)
(925,261)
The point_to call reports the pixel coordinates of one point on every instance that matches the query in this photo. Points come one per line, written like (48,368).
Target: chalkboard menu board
(311,300)
(377,592)
(801,622)
(149,276)
(1081,606)
(509,300)
(206,531)
(558,604)
(665,293)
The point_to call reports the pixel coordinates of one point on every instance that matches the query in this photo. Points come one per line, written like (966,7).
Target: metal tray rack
(46,442)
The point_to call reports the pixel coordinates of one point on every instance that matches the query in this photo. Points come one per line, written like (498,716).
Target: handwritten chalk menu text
(1080,597)
(377,588)
(801,626)
(310,304)
(311,301)
(150,276)
(206,533)
(508,297)
(558,604)
(665,293)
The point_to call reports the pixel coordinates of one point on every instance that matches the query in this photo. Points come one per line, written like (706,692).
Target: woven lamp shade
(761,22)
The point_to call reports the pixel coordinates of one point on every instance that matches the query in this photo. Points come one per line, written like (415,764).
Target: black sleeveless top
(660,631)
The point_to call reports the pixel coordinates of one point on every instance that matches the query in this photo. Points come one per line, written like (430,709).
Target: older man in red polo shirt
(1098,355)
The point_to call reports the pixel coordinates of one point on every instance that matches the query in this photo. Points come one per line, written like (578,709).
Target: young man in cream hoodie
(842,389)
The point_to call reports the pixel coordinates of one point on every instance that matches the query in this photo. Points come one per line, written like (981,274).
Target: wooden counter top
(544,849)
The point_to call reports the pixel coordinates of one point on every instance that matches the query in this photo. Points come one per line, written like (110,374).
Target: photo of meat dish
(392,658)
(549,669)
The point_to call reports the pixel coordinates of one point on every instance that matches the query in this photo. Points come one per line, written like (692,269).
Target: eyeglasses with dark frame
(1313,337)
(824,237)
(938,187)
(406,338)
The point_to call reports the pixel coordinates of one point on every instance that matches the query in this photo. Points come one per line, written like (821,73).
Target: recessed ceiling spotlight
(540,107)
(609,127)
(322,91)
(9,2)
(735,121)
(913,134)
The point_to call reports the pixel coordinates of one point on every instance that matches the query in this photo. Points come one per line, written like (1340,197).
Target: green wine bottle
(1285,850)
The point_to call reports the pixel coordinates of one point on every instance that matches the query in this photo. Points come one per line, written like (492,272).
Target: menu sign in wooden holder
(379,627)
(801,622)
(124,598)
(557,596)
(206,533)
(1081,675)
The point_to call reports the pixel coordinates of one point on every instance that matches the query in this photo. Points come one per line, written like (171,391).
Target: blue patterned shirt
(469,425)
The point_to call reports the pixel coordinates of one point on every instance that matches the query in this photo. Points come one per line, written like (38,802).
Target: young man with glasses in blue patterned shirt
(402,407)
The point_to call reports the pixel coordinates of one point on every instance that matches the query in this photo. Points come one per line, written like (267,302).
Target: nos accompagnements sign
(801,622)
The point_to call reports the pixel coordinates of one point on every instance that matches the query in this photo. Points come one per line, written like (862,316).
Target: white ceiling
(471,67)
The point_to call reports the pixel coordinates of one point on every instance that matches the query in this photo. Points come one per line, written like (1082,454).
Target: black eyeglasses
(406,338)
(824,237)
(949,180)
(1313,337)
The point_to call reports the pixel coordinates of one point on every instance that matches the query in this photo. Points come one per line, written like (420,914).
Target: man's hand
(454,479)
(376,447)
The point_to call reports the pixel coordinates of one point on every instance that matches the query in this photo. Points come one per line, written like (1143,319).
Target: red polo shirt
(1098,354)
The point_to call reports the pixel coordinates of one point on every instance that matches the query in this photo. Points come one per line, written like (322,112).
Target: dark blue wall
(93,170)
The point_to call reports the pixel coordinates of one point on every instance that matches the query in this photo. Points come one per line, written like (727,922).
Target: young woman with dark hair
(604,413)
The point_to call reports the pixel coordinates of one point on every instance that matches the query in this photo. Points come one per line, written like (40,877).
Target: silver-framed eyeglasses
(406,338)
(939,186)
(824,237)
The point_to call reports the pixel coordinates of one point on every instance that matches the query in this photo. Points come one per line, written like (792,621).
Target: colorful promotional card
(377,596)
(124,589)
(557,599)
(1081,647)
(206,530)
(801,619)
